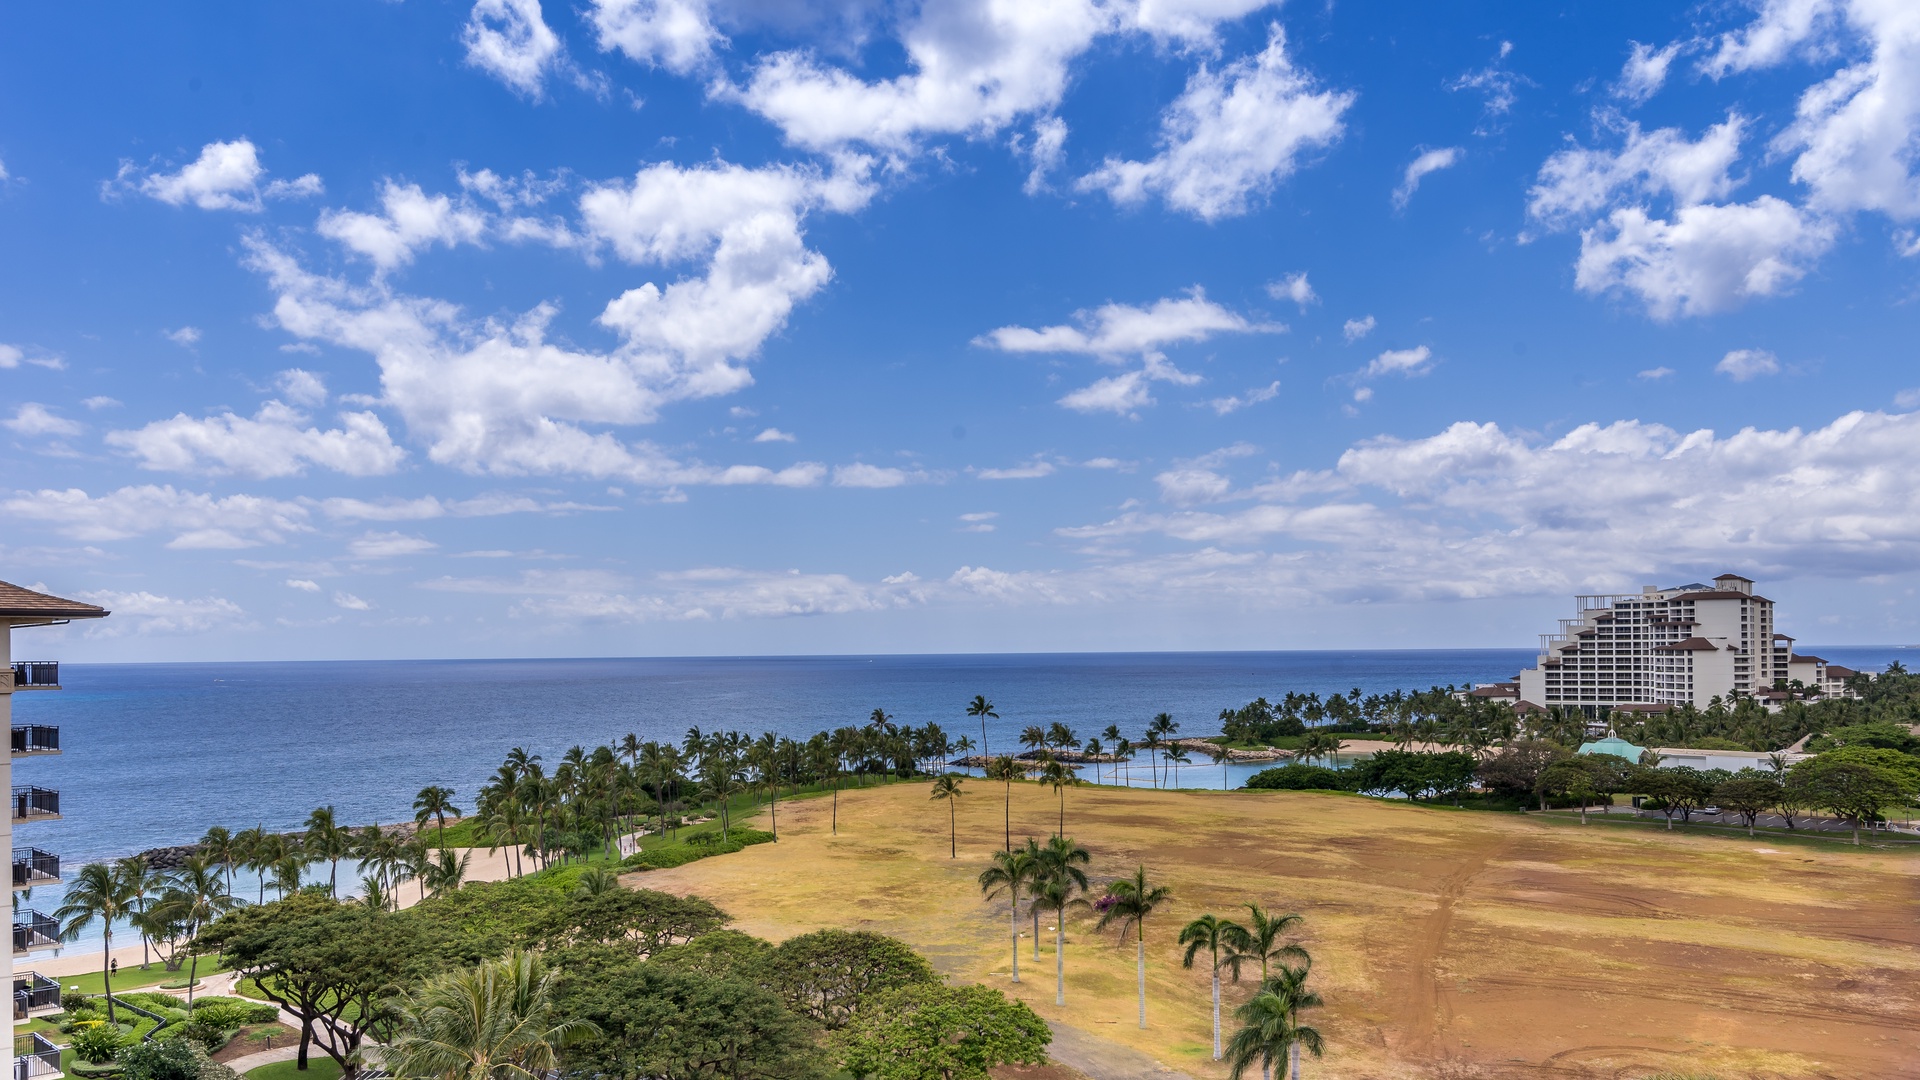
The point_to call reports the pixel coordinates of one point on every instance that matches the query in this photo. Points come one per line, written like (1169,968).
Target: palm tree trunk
(1141,968)
(106,970)
(1295,1048)
(953,829)
(1060,957)
(1036,927)
(1013,928)
(193,976)
(1216,1013)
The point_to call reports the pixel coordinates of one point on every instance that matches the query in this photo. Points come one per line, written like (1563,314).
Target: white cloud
(12,356)
(981,515)
(1355,329)
(1225,405)
(1645,72)
(1430,161)
(1498,88)
(388,545)
(410,220)
(1743,365)
(678,35)
(278,440)
(1656,374)
(500,398)
(1047,151)
(186,336)
(1294,287)
(1782,26)
(101,401)
(226,176)
(861,475)
(1578,183)
(691,595)
(429,507)
(1708,259)
(1230,137)
(149,613)
(1032,470)
(196,520)
(350,602)
(302,387)
(1856,132)
(1113,332)
(1408,362)
(33,420)
(1477,511)
(303,584)
(774,434)
(509,40)
(1908,399)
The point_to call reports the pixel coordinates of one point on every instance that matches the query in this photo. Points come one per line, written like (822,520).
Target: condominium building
(1659,648)
(33,932)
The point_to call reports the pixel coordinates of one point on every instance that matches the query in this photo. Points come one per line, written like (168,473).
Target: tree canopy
(934,1032)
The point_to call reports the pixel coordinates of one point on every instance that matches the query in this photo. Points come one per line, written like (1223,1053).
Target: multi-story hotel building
(33,994)
(1659,648)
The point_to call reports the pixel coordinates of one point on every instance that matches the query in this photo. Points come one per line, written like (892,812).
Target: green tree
(661,1024)
(435,802)
(220,846)
(1260,941)
(195,897)
(934,1032)
(1010,872)
(1128,902)
(143,883)
(948,787)
(494,1021)
(1212,933)
(832,976)
(1270,1027)
(96,893)
(334,967)
(327,839)
(1856,782)
(983,709)
(1569,779)
(1750,793)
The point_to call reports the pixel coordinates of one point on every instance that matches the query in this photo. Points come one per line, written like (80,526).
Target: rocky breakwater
(173,858)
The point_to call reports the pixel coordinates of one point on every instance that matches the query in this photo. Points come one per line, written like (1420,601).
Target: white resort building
(1659,648)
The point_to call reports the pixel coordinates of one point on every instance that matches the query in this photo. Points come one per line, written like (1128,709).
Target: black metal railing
(32,991)
(42,1060)
(36,674)
(35,739)
(31,867)
(33,802)
(32,930)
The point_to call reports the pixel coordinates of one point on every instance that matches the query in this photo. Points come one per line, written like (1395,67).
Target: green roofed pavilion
(1615,745)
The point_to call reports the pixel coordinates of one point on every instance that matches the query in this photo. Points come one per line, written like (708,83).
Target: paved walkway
(1102,1059)
(250,1062)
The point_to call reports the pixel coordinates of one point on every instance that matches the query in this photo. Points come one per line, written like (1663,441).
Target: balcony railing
(35,739)
(41,1062)
(32,930)
(33,993)
(36,674)
(35,804)
(32,867)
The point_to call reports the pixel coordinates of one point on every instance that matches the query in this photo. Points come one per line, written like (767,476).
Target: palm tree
(1059,776)
(1260,940)
(1176,756)
(326,839)
(597,881)
(435,801)
(492,1022)
(218,845)
(288,872)
(96,892)
(374,894)
(446,873)
(143,886)
(197,895)
(1056,894)
(1009,873)
(948,788)
(1131,900)
(259,851)
(1058,878)
(1270,1029)
(982,708)
(1112,735)
(1210,932)
(1006,768)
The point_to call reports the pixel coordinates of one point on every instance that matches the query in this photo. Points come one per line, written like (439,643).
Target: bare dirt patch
(1446,943)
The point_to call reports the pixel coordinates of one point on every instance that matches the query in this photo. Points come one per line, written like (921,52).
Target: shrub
(1296,777)
(234,1014)
(150,999)
(171,1060)
(96,1043)
(698,846)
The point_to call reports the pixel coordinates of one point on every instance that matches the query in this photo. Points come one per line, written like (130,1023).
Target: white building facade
(1661,648)
(33,869)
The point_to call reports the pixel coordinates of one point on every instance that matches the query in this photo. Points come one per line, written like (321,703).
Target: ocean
(154,754)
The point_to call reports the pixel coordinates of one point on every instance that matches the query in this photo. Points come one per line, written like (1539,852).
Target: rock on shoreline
(177,856)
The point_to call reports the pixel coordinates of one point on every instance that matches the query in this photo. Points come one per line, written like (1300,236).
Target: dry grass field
(1446,943)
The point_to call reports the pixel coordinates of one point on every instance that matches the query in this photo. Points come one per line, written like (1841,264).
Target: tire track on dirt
(1424,1010)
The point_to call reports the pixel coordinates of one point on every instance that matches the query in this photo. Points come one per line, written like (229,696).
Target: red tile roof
(1692,644)
(17,603)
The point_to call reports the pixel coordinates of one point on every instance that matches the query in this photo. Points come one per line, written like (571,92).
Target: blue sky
(745,326)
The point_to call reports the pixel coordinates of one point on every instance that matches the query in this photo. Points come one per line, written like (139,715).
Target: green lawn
(319,1067)
(130,977)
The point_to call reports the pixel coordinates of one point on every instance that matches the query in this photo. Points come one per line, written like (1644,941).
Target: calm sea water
(156,753)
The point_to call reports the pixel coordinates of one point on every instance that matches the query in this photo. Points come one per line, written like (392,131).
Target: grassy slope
(1437,934)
